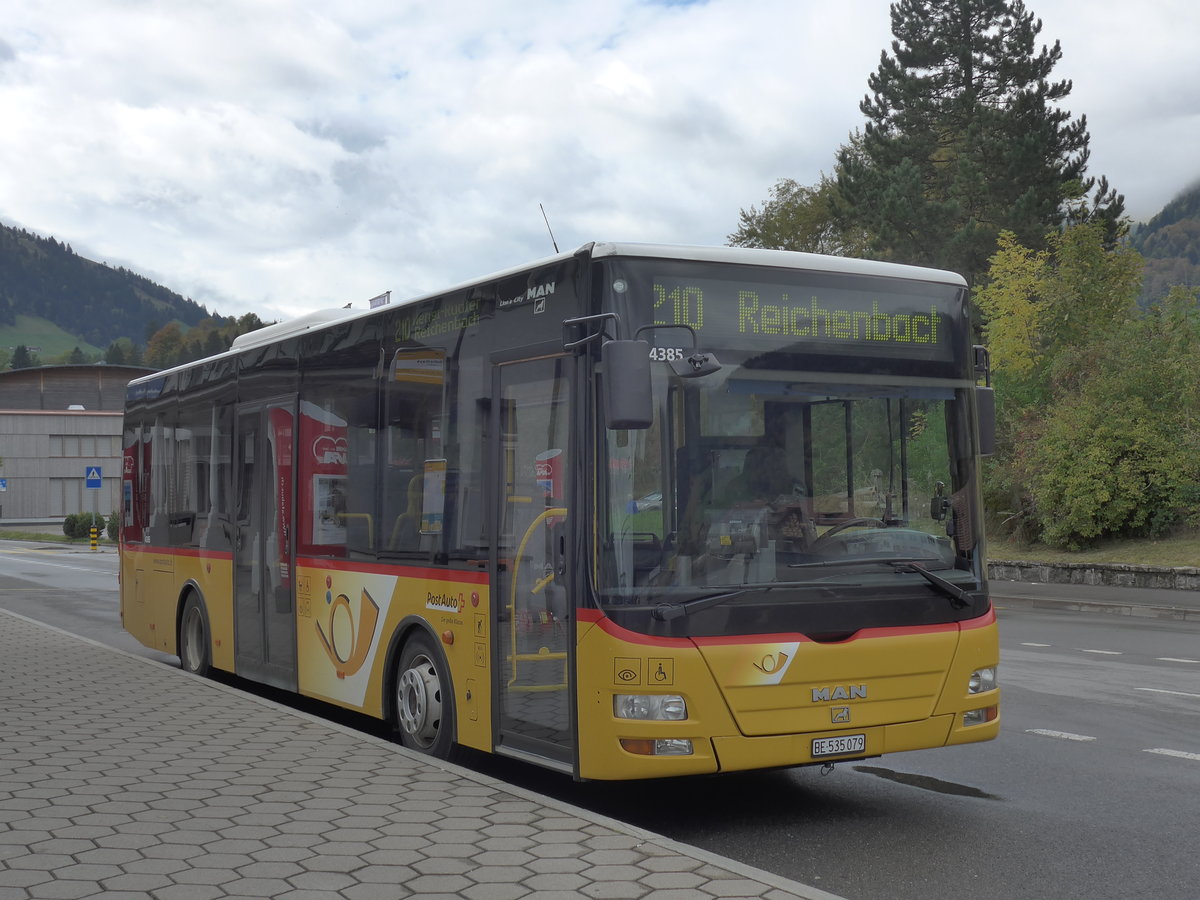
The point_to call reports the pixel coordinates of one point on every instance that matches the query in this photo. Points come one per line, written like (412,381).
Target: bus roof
(787,259)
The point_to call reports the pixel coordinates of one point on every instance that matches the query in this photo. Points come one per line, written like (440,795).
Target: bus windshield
(782,467)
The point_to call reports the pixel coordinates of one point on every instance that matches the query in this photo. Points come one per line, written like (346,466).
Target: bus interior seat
(407,530)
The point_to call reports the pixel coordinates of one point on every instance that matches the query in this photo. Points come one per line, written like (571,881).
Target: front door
(535,615)
(265,625)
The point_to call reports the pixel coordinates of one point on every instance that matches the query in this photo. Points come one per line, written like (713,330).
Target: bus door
(265,626)
(534,614)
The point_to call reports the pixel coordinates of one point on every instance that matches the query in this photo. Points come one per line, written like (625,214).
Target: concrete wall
(45,459)
(46,447)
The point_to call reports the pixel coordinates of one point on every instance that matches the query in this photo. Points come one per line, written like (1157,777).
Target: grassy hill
(50,340)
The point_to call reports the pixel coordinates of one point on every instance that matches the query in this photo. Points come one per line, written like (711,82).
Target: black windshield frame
(806,374)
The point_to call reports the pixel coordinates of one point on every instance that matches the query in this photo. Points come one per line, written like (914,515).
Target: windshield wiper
(664,612)
(855,560)
(958,597)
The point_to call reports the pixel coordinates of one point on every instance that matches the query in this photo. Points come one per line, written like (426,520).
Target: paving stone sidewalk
(123,778)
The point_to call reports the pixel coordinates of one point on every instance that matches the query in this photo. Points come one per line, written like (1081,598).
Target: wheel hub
(419,701)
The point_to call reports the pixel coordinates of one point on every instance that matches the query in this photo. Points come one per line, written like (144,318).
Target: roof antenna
(548,228)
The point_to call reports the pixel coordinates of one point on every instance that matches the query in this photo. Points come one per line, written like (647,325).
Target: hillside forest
(114,315)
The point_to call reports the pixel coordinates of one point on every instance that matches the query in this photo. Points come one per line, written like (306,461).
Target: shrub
(1118,469)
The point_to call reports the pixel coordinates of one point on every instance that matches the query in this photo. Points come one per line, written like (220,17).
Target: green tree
(1098,401)
(23,359)
(1044,306)
(965,138)
(115,354)
(796,217)
(164,347)
(76,358)
(1120,450)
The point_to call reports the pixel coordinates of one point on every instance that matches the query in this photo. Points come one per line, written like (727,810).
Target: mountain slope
(44,278)
(1170,242)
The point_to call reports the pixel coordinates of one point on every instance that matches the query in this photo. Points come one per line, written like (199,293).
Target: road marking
(1105,652)
(1181,754)
(40,562)
(1177,659)
(1061,735)
(1161,691)
(1032,644)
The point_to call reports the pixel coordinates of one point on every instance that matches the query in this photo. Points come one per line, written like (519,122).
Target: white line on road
(42,562)
(1177,659)
(1061,735)
(1105,652)
(1161,691)
(1032,644)
(1181,754)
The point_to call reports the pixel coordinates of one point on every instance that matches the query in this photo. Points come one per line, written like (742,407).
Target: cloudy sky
(279,156)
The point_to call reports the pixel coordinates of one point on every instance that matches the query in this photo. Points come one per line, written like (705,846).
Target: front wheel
(195,654)
(424,701)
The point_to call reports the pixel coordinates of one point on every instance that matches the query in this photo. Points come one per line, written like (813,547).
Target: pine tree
(114,355)
(965,138)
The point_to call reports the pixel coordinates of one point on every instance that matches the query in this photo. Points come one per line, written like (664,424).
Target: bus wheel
(424,702)
(195,655)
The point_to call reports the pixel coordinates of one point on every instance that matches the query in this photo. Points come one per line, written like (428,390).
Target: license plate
(838,746)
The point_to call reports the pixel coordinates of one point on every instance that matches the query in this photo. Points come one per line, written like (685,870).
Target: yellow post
(95,536)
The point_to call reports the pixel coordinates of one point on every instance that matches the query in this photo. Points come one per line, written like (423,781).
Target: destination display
(818,314)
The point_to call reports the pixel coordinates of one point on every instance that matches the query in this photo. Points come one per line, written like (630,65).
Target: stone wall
(1184,578)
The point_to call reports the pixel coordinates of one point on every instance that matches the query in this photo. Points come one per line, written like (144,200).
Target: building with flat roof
(58,425)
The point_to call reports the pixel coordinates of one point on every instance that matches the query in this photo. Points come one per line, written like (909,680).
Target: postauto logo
(445,602)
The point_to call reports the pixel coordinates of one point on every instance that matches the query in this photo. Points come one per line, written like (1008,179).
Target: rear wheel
(424,701)
(195,654)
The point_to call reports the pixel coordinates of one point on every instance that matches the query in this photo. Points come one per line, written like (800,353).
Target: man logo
(840,714)
(839,692)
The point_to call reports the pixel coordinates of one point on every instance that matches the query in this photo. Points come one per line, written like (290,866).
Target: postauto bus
(628,512)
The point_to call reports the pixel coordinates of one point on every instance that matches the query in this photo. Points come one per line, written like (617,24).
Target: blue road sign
(3,484)
(92,476)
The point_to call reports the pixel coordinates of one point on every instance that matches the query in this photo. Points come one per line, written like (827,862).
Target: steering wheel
(856,522)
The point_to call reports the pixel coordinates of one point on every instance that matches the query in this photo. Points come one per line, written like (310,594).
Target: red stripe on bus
(342,565)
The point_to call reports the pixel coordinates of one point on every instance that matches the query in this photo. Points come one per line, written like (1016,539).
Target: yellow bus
(633,511)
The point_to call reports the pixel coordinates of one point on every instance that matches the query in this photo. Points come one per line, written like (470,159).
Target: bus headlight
(657,707)
(982,680)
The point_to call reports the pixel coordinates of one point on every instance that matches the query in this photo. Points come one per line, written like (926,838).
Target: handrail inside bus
(543,653)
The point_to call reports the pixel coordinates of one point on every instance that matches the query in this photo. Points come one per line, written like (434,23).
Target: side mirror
(985,407)
(939,505)
(628,403)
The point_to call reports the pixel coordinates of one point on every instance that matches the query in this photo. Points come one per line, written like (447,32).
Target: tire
(423,703)
(195,648)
